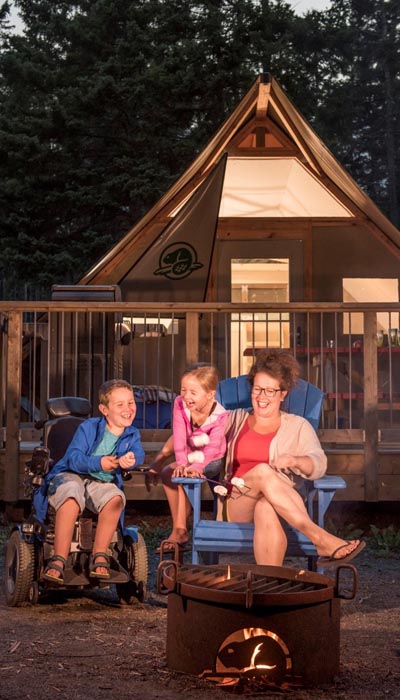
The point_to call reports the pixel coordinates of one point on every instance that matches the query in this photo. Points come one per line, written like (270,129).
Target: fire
(253,658)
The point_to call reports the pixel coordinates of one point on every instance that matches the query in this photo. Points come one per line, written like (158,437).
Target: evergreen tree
(88,137)
(358,110)
(104,103)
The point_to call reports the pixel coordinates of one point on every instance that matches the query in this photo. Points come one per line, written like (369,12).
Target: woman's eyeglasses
(269,393)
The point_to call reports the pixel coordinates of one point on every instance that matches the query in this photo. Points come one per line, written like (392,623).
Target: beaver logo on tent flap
(178,261)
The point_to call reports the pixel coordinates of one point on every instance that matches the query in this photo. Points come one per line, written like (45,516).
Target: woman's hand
(296,465)
(127,461)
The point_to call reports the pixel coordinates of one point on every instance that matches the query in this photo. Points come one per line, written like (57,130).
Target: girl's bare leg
(178,504)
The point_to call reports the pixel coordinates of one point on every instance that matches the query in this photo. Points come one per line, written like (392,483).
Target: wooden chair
(212,537)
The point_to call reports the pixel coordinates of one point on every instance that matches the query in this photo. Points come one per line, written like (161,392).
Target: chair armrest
(325,489)
(329,482)
(192,488)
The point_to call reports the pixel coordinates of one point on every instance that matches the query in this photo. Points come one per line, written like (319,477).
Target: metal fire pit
(257,625)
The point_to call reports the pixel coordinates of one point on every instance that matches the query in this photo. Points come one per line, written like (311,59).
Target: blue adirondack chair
(211,537)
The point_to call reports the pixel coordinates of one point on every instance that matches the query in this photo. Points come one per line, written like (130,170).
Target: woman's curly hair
(279,365)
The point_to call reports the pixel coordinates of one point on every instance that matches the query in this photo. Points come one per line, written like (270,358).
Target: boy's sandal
(50,566)
(94,565)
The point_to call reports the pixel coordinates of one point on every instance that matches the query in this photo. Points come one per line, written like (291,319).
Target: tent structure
(265,180)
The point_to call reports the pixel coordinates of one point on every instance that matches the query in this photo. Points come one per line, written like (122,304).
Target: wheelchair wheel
(19,571)
(134,560)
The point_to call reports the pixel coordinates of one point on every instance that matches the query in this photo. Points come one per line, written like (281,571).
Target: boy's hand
(108,463)
(127,461)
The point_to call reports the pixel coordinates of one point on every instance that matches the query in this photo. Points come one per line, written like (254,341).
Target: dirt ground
(89,646)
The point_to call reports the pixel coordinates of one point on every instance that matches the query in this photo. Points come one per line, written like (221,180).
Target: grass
(346,532)
(385,541)
(4,532)
(153,535)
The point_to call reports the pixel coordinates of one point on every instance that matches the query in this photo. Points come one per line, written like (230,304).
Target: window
(374,290)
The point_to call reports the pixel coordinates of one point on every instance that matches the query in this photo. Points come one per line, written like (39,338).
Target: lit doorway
(274,274)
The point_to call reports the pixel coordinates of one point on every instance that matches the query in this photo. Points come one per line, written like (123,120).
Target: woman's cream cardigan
(295,436)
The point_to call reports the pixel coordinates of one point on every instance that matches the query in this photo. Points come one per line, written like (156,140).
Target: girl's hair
(108,387)
(206,375)
(279,365)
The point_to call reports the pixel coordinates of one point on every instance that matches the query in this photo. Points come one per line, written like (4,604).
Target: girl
(198,441)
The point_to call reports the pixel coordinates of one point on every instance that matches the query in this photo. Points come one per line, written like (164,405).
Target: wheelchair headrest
(68,406)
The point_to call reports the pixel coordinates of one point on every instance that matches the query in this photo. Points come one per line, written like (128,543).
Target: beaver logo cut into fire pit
(253,655)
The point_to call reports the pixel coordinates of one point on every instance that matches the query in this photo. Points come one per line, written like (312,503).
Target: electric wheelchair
(30,544)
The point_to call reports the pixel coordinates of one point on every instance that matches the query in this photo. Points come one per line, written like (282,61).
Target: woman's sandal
(93,573)
(334,559)
(50,566)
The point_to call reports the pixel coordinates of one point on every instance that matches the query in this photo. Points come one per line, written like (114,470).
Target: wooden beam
(383,238)
(192,338)
(14,371)
(371,457)
(296,136)
(262,99)
(287,147)
(308,264)
(262,228)
(353,436)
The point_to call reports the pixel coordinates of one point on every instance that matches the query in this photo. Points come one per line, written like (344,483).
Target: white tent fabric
(275,187)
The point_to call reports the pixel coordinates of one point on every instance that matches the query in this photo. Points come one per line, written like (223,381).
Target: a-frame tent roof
(265,128)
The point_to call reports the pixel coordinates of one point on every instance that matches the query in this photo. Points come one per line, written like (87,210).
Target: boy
(90,475)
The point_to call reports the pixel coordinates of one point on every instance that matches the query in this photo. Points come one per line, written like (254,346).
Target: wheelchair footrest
(78,575)
(75,578)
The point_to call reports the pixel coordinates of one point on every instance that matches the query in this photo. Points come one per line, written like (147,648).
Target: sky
(300,6)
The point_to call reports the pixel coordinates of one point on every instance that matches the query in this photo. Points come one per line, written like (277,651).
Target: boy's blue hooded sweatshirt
(79,457)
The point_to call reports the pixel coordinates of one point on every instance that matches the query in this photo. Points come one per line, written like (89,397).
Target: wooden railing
(67,348)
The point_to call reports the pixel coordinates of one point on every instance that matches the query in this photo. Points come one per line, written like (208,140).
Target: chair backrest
(304,400)
(65,413)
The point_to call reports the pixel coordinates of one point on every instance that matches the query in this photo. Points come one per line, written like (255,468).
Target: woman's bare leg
(270,541)
(289,505)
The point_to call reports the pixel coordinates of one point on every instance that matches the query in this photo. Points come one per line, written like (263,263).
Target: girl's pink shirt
(183,434)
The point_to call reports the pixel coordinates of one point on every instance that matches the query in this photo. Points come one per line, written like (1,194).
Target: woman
(272,452)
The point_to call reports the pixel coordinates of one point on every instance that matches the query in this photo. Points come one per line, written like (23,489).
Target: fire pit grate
(239,584)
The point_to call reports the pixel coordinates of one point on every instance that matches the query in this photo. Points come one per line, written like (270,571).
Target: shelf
(385,405)
(341,350)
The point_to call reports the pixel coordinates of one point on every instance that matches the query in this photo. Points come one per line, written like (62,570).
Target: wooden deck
(58,348)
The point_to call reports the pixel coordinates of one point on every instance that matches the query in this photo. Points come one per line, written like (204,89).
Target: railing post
(192,337)
(371,458)
(13,389)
